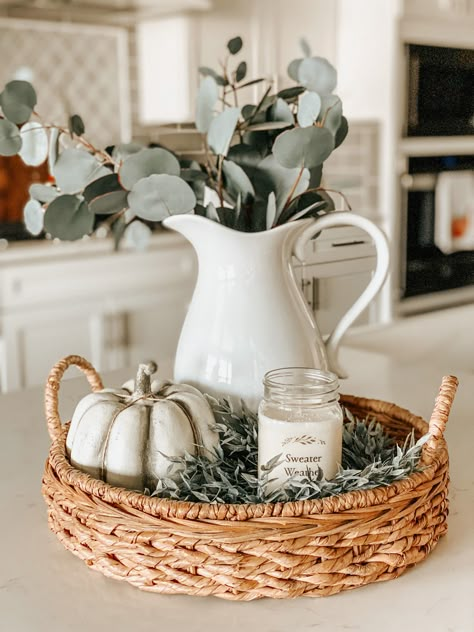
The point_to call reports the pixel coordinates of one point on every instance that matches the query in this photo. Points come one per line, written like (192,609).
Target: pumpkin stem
(143,380)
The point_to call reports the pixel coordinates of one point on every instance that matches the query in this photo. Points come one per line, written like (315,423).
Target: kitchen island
(44,588)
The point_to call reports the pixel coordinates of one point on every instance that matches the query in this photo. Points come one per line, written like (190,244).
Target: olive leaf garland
(262,160)
(370,458)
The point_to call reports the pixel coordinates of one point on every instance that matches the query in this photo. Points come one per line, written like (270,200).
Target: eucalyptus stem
(293,188)
(107,158)
(323,122)
(220,161)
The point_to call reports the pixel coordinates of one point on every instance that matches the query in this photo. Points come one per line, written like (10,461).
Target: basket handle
(52,389)
(439,417)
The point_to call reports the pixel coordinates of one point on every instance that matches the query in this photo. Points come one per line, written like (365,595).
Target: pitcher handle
(344,218)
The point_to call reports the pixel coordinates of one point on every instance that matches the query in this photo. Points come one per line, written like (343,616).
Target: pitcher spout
(194,227)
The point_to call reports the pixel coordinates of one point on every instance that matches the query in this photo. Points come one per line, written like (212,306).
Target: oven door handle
(419,181)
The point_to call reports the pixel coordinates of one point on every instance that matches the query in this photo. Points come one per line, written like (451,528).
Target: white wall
(270,29)
(368,66)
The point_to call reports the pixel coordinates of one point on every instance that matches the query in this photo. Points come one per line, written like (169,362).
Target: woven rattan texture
(245,552)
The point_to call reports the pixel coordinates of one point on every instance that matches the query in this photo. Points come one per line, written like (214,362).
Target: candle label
(302,448)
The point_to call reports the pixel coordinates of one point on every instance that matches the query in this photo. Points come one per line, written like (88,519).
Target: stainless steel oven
(426,270)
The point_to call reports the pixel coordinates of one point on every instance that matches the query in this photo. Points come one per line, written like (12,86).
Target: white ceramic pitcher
(248,315)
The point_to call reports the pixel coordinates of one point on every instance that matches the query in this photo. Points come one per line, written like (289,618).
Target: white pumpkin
(124,436)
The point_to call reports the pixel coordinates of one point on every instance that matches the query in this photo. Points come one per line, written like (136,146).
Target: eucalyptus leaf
(308,204)
(118,229)
(268,126)
(193,175)
(209,72)
(76,125)
(206,100)
(53,152)
(308,211)
(290,94)
(33,216)
(241,71)
(293,69)
(10,139)
(146,163)
(68,217)
(342,131)
(260,141)
(200,209)
(237,181)
(234,45)
(331,112)
(315,175)
(211,212)
(137,235)
(317,74)
(158,196)
(280,111)
(18,100)
(308,108)
(252,82)
(222,129)
(281,180)
(305,47)
(226,216)
(192,172)
(244,155)
(237,209)
(124,150)
(271,210)
(257,216)
(248,111)
(305,146)
(43,193)
(105,195)
(34,148)
(75,168)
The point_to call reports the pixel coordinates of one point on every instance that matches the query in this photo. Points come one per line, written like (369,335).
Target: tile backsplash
(72,66)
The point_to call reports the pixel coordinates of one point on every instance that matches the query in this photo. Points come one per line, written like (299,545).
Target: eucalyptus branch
(106,157)
(293,188)
(316,189)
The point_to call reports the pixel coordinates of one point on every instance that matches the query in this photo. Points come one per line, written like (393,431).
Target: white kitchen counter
(44,588)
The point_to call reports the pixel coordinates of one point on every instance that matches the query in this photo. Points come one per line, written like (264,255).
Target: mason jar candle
(299,421)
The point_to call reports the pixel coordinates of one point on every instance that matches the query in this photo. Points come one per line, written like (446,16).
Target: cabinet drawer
(95,278)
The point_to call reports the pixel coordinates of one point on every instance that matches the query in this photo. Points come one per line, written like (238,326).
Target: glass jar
(299,426)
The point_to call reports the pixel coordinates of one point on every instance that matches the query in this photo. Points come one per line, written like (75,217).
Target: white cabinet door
(113,308)
(152,333)
(334,296)
(331,289)
(35,340)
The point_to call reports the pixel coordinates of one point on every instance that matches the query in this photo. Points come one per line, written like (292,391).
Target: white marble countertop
(43,588)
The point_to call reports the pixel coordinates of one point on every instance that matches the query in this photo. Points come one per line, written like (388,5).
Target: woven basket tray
(244,552)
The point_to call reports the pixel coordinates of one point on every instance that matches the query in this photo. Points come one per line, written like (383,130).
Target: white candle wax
(306,440)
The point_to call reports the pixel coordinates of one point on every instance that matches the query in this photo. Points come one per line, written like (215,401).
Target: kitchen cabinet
(338,268)
(114,308)
(121,308)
